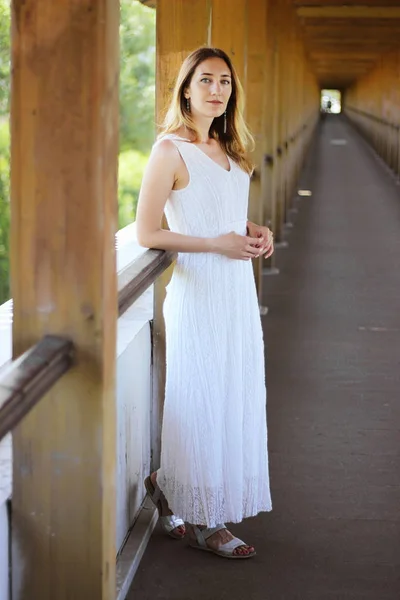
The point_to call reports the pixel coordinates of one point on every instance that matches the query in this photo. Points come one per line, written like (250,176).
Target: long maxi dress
(214,459)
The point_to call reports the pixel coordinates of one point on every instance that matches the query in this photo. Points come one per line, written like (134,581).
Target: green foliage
(4,56)
(137,76)
(4,211)
(137,102)
(4,149)
(137,129)
(131,167)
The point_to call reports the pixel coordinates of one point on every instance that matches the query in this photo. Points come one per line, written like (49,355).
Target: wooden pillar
(277,93)
(397,112)
(180,30)
(292,109)
(289,100)
(269,126)
(286,102)
(256,93)
(229,32)
(64,138)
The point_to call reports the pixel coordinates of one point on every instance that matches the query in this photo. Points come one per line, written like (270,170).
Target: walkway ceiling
(344,38)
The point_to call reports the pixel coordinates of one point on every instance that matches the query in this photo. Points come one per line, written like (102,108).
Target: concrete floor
(333,352)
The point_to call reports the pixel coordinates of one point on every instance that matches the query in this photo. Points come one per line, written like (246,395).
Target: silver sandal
(168,522)
(225,550)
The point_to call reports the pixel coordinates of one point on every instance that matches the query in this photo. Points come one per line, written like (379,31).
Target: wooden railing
(373,117)
(30,376)
(140,274)
(25,381)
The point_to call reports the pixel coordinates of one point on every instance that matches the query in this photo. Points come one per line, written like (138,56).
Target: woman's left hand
(267,245)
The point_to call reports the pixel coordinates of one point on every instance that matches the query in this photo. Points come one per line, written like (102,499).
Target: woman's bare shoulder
(165,149)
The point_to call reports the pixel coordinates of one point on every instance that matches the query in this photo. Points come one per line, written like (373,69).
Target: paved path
(333,348)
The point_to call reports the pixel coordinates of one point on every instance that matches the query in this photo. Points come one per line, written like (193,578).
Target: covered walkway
(82,389)
(333,346)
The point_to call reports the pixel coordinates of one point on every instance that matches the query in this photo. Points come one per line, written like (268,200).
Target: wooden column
(293,91)
(256,114)
(64,134)
(397,112)
(180,30)
(285,105)
(229,32)
(269,125)
(277,95)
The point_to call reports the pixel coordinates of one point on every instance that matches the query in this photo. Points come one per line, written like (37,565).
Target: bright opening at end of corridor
(331,101)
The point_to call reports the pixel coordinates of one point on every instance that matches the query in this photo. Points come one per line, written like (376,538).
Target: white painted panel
(133,423)
(4,564)
(5,332)
(133,396)
(5,468)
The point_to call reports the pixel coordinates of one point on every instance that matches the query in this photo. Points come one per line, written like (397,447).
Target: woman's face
(210,88)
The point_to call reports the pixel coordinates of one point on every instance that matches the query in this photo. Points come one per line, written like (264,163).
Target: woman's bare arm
(158,181)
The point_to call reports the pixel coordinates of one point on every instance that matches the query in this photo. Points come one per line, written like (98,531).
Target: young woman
(214,463)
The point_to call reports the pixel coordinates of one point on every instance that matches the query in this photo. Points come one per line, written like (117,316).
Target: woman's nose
(216,88)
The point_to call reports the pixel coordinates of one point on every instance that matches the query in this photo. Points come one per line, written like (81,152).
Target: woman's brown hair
(237,140)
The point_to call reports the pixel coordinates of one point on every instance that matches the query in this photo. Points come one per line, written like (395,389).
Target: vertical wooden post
(256,100)
(285,81)
(277,119)
(291,107)
(64,218)
(180,30)
(229,32)
(397,112)
(270,105)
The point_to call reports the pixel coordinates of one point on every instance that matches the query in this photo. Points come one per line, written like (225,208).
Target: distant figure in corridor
(214,459)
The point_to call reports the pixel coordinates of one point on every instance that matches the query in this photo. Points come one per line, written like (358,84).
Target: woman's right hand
(239,247)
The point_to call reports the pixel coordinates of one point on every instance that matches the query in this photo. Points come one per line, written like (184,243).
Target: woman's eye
(205,79)
(226,81)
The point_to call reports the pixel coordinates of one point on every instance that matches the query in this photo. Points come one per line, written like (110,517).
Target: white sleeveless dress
(214,461)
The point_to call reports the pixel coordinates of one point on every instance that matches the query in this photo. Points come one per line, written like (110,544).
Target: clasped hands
(257,242)
(266,244)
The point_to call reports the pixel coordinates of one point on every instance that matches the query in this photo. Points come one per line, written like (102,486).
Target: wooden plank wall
(373,102)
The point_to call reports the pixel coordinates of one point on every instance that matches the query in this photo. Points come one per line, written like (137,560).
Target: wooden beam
(349,12)
(340,55)
(348,44)
(349,60)
(345,2)
(64,149)
(357,23)
(362,35)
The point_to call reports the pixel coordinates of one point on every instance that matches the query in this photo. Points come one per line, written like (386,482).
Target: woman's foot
(223,536)
(220,541)
(165,513)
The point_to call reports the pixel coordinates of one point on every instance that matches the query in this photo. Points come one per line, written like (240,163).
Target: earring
(225,122)
(188,104)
